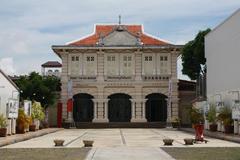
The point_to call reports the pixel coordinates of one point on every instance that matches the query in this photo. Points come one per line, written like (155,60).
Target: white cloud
(31,27)
(7,65)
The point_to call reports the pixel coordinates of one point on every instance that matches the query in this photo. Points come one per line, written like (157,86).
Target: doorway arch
(156,107)
(119,108)
(82,107)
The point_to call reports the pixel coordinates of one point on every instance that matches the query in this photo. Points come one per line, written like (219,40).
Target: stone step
(117,125)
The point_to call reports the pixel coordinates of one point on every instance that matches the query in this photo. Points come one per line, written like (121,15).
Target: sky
(28,28)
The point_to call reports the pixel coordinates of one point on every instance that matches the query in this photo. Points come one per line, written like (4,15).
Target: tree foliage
(193,56)
(39,88)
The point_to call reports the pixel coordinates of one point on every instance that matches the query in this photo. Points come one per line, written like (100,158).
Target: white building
(222,47)
(52,68)
(119,74)
(9,100)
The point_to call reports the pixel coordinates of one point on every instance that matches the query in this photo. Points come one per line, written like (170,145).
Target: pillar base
(138,120)
(100,120)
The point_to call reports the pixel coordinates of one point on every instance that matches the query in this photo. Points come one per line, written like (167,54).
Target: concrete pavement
(23,137)
(118,138)
(117,144)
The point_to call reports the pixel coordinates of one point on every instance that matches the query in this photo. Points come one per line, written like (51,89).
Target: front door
(119,108)
(82,108)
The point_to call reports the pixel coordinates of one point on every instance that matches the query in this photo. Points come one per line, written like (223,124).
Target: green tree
(40,88)
(193,56)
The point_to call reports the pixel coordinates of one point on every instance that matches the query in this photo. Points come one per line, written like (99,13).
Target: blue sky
(28,28)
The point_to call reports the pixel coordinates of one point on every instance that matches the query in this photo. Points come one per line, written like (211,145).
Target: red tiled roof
(103,30)
(52,64)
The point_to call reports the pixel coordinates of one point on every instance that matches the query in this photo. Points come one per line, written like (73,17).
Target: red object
(104,30)
(59,115)
(199,132)
(69,105)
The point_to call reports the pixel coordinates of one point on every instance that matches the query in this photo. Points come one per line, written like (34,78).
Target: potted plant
(225,115)
(196,117)
(3,126)
(211,117)
(21,121)
(37,114)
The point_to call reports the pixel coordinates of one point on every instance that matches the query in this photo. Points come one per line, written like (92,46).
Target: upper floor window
(110,58)
(148,58)
(75,58)
(164,64)
(127,67)
(90,58)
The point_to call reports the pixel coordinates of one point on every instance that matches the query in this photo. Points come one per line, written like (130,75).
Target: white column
(144,109)
(95,110)
(106,110)
(133,110)
(9,127)
(235,126)
(13,126)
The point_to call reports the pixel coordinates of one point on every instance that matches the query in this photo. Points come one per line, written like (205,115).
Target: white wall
(7,90)
(222,48)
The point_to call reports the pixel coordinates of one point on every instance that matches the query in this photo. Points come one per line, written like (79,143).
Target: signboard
(236,111)
(27,107)
(12,108)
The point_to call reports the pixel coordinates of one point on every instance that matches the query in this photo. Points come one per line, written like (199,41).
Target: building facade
(119,74)
(9,101)
(52,68)
(222,53)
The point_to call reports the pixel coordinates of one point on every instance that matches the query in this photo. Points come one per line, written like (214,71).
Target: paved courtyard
(120,143)
(118,138)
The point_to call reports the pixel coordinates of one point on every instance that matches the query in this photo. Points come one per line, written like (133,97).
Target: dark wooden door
(119,108)
(83,108)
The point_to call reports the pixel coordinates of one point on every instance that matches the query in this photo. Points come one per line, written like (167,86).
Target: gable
(5,80)
(129,32)
(119,38)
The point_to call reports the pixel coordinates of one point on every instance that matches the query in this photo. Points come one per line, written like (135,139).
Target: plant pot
(3,132)
(88,143)
(58,142)
(213,127)
(32,128)
(188,141)
(167,142)
(20,128)
(36,122)
(228,129)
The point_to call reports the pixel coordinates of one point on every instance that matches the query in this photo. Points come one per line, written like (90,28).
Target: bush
(23,119)
(3,121)
(225,115)
(211,115)
(196,116)
(37,111)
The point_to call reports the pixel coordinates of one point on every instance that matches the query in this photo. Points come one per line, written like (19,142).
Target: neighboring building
(187,94)
(223,61)
(119,74)
(52,68)
(9,101)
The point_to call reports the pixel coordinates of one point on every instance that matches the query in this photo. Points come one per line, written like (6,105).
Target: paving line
(75,139)
(122,137)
